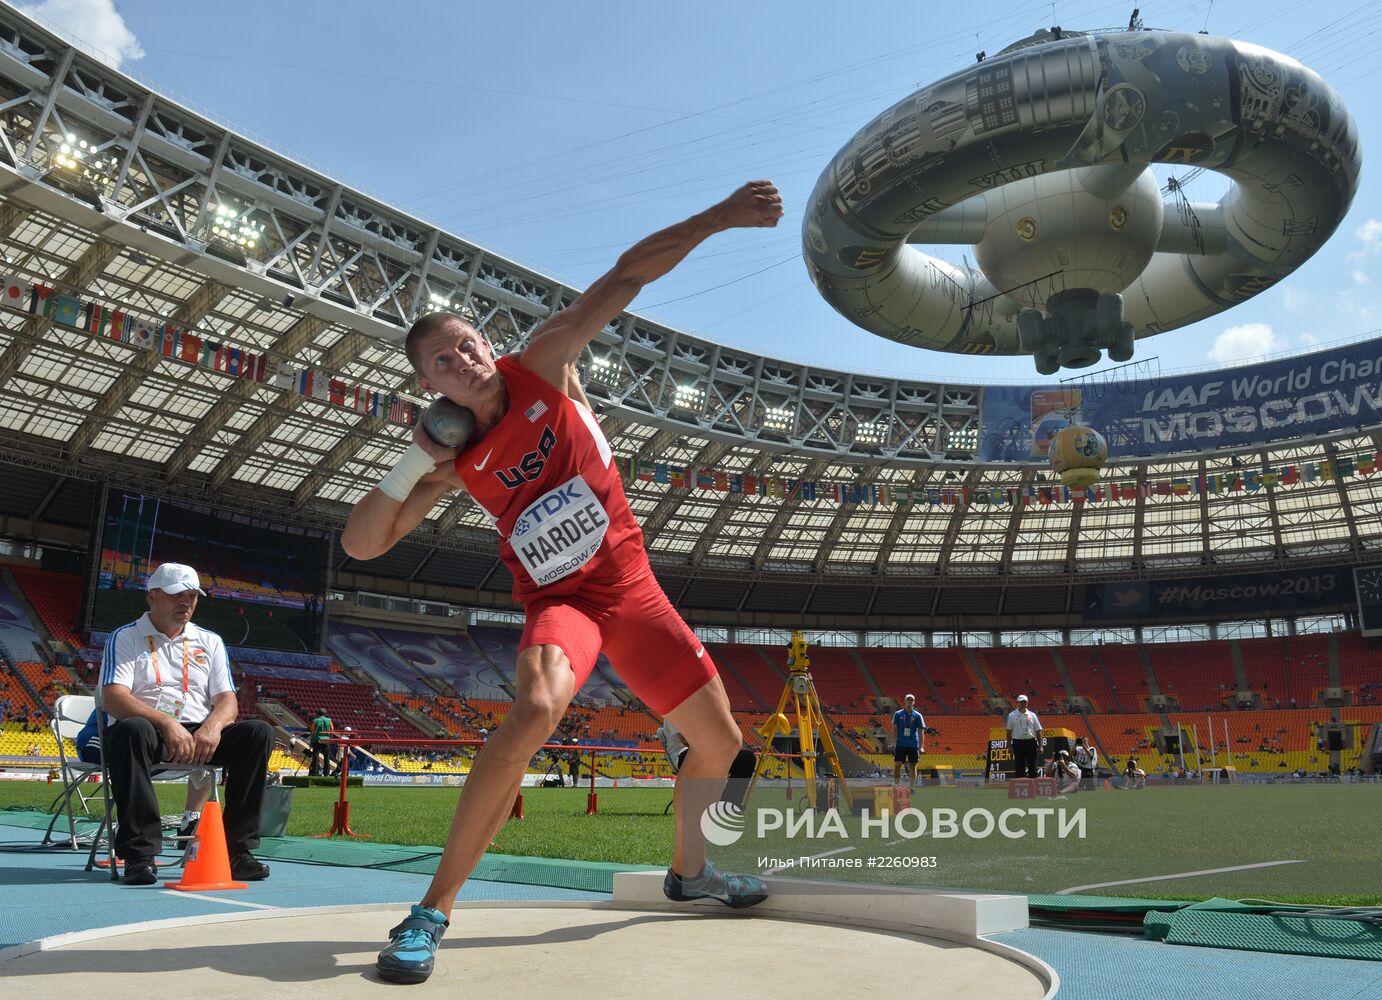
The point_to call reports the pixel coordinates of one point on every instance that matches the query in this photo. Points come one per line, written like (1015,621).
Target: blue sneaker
(737,891)
(412,945)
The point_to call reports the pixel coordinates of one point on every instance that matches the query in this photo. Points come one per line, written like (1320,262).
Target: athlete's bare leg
(714,738)
(546,686)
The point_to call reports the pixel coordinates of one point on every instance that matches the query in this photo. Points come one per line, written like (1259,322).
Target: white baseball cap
(1022,697)
(174,578)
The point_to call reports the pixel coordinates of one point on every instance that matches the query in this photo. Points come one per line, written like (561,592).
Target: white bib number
(560,531)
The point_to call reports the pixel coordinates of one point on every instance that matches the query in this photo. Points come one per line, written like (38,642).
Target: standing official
(1024,736)
(908,729)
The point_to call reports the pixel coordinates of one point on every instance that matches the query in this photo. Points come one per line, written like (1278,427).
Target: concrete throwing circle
(531,950)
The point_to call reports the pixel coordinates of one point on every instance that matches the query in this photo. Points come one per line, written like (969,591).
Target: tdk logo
(549,506)
(530,466)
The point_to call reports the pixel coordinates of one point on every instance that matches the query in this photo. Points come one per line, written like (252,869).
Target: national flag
(1290,476)
(676,476)
(16,293)
(38,299)
(1252,480)
(208,356)
(1310,473)
(721,481)
(335,391)
(166,340)
(535,411)
(191,347)
(67,310)
(141,333)
(233,362)
(1343,466)
(94,318)
(736,482)
(808,489)
(398,409)
(120,326)
(1180,487)
(253,366)
(1271,479)
(660,473)
(704,480)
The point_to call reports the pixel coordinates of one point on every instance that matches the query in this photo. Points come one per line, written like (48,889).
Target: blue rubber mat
(48,893)
(1100,966)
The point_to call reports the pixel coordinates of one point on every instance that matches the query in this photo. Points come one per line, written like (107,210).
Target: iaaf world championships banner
(1306,396)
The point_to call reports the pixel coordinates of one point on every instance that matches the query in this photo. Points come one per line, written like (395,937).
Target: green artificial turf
(1329,829)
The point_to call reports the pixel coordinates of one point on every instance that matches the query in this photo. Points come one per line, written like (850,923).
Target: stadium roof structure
(167,215)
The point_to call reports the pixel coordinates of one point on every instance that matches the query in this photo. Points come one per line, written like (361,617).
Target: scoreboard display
(1001,766)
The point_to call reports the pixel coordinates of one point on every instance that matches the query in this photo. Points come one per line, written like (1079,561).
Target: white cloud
(1352,307)
(1309,340)
(1359,278)
(96,23)
(1370,236)
(1243,343)
(1296,298)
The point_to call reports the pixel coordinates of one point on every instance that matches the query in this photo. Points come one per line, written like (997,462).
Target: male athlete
(540,466)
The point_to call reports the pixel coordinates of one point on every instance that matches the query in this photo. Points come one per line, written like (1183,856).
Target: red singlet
(546,477)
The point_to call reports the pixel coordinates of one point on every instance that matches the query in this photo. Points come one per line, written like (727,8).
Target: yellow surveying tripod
(811,724)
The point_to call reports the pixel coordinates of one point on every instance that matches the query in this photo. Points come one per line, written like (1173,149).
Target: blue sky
(558,135)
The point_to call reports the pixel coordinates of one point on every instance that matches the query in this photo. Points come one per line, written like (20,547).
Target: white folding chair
(69,716)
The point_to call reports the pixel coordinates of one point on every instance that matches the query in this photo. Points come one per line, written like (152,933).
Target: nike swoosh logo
(480,467)
(700,652)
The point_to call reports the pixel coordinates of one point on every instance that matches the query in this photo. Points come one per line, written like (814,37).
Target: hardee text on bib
(560,531)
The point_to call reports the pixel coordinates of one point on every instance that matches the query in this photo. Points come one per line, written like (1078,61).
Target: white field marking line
(812,857)
(218,899)
(1164,878)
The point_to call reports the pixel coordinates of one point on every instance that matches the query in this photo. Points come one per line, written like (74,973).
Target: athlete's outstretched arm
(380,519)
(558,342)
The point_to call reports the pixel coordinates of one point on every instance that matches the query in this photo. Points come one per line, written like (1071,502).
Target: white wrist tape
(412,465)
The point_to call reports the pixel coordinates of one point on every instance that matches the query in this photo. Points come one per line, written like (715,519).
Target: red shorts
(634,624)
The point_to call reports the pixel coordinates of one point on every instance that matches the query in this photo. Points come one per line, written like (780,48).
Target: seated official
(169,699)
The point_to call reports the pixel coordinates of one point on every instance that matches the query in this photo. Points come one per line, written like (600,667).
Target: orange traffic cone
(208,860)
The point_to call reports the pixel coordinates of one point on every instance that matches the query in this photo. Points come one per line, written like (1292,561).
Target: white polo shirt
(150,664)
(1023,725)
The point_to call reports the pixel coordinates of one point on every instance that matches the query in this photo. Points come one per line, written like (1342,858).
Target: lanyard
(158,676)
